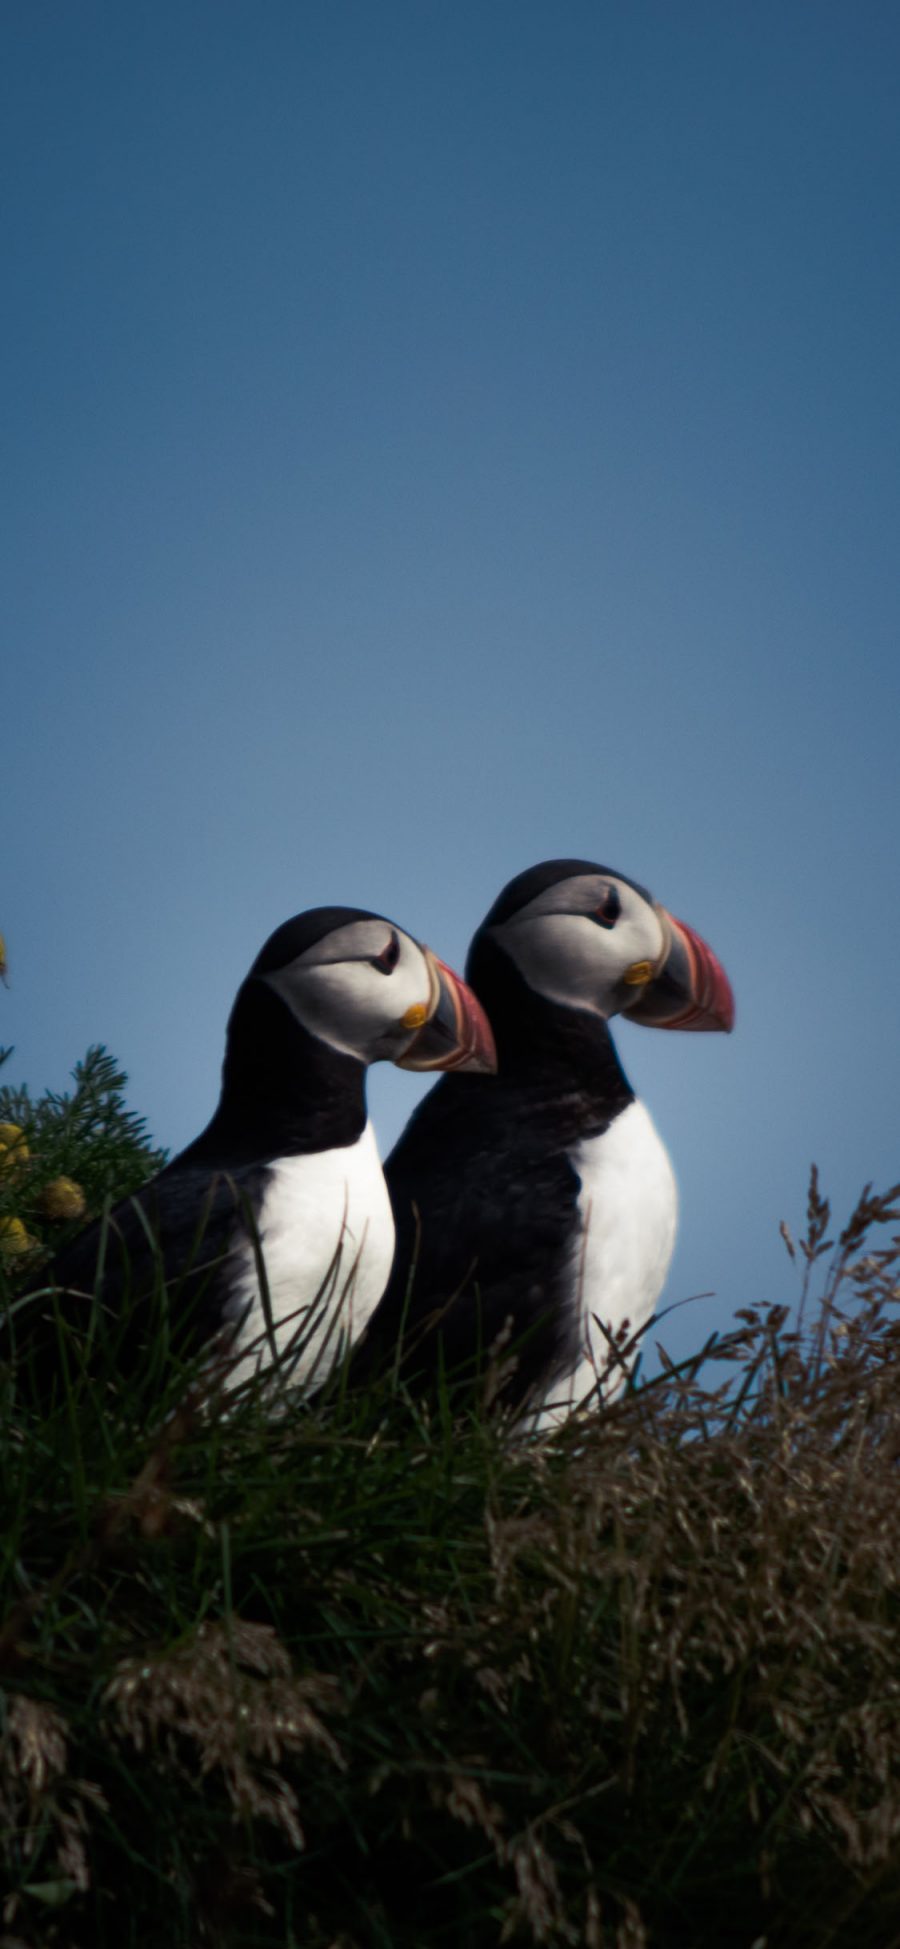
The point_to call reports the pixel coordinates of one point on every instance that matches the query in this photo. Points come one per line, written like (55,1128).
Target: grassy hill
(378,1674)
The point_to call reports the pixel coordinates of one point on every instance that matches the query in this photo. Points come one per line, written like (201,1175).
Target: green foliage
(85,1138)
(366,1675)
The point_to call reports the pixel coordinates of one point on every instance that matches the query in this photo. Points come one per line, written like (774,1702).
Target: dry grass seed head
(224,1702)
(39,1805)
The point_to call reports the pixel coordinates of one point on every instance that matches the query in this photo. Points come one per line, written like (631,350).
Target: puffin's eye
(609,909)
(387,960)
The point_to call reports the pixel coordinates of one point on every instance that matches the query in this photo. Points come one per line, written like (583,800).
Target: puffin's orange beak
(456,1033)
(690,990)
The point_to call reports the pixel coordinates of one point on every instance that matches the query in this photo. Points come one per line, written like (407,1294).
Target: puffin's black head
(360,984)
(583,937)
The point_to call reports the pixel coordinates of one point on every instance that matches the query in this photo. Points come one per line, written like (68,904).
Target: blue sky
(439,438)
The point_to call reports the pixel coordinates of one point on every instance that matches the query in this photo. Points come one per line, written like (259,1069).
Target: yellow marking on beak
(415,1016)
(638,974)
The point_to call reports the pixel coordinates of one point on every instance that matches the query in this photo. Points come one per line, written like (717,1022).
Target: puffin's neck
(284,1091)
(541,1043)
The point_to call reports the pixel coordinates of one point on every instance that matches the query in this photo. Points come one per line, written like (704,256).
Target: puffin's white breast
(326,1235)
(628,1207)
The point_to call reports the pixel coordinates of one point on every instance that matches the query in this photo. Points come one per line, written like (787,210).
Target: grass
(376,1675)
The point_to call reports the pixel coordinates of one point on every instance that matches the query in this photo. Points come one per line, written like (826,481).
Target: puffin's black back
(484,1195)
(174,1234)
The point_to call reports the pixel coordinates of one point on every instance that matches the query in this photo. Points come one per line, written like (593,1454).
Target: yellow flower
(62,1198)
(13,1148)
(14,1240)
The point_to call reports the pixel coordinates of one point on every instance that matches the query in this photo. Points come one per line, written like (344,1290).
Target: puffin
(272,1231)
(536,1209)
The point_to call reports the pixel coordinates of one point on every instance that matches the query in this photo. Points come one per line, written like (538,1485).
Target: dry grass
(375,1674)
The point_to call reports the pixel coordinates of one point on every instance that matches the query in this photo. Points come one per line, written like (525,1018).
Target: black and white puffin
(538,1207)
(273,1229)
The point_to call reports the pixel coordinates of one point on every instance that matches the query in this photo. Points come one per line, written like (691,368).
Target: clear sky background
(437,437)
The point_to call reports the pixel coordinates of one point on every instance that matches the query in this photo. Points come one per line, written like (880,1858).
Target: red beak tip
(711,996)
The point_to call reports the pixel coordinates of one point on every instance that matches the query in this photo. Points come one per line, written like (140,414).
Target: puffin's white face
(371,991)
(365,988)
(590,942)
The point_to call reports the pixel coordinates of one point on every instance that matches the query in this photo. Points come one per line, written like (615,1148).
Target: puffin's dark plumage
(542,1198)
(287,1167)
